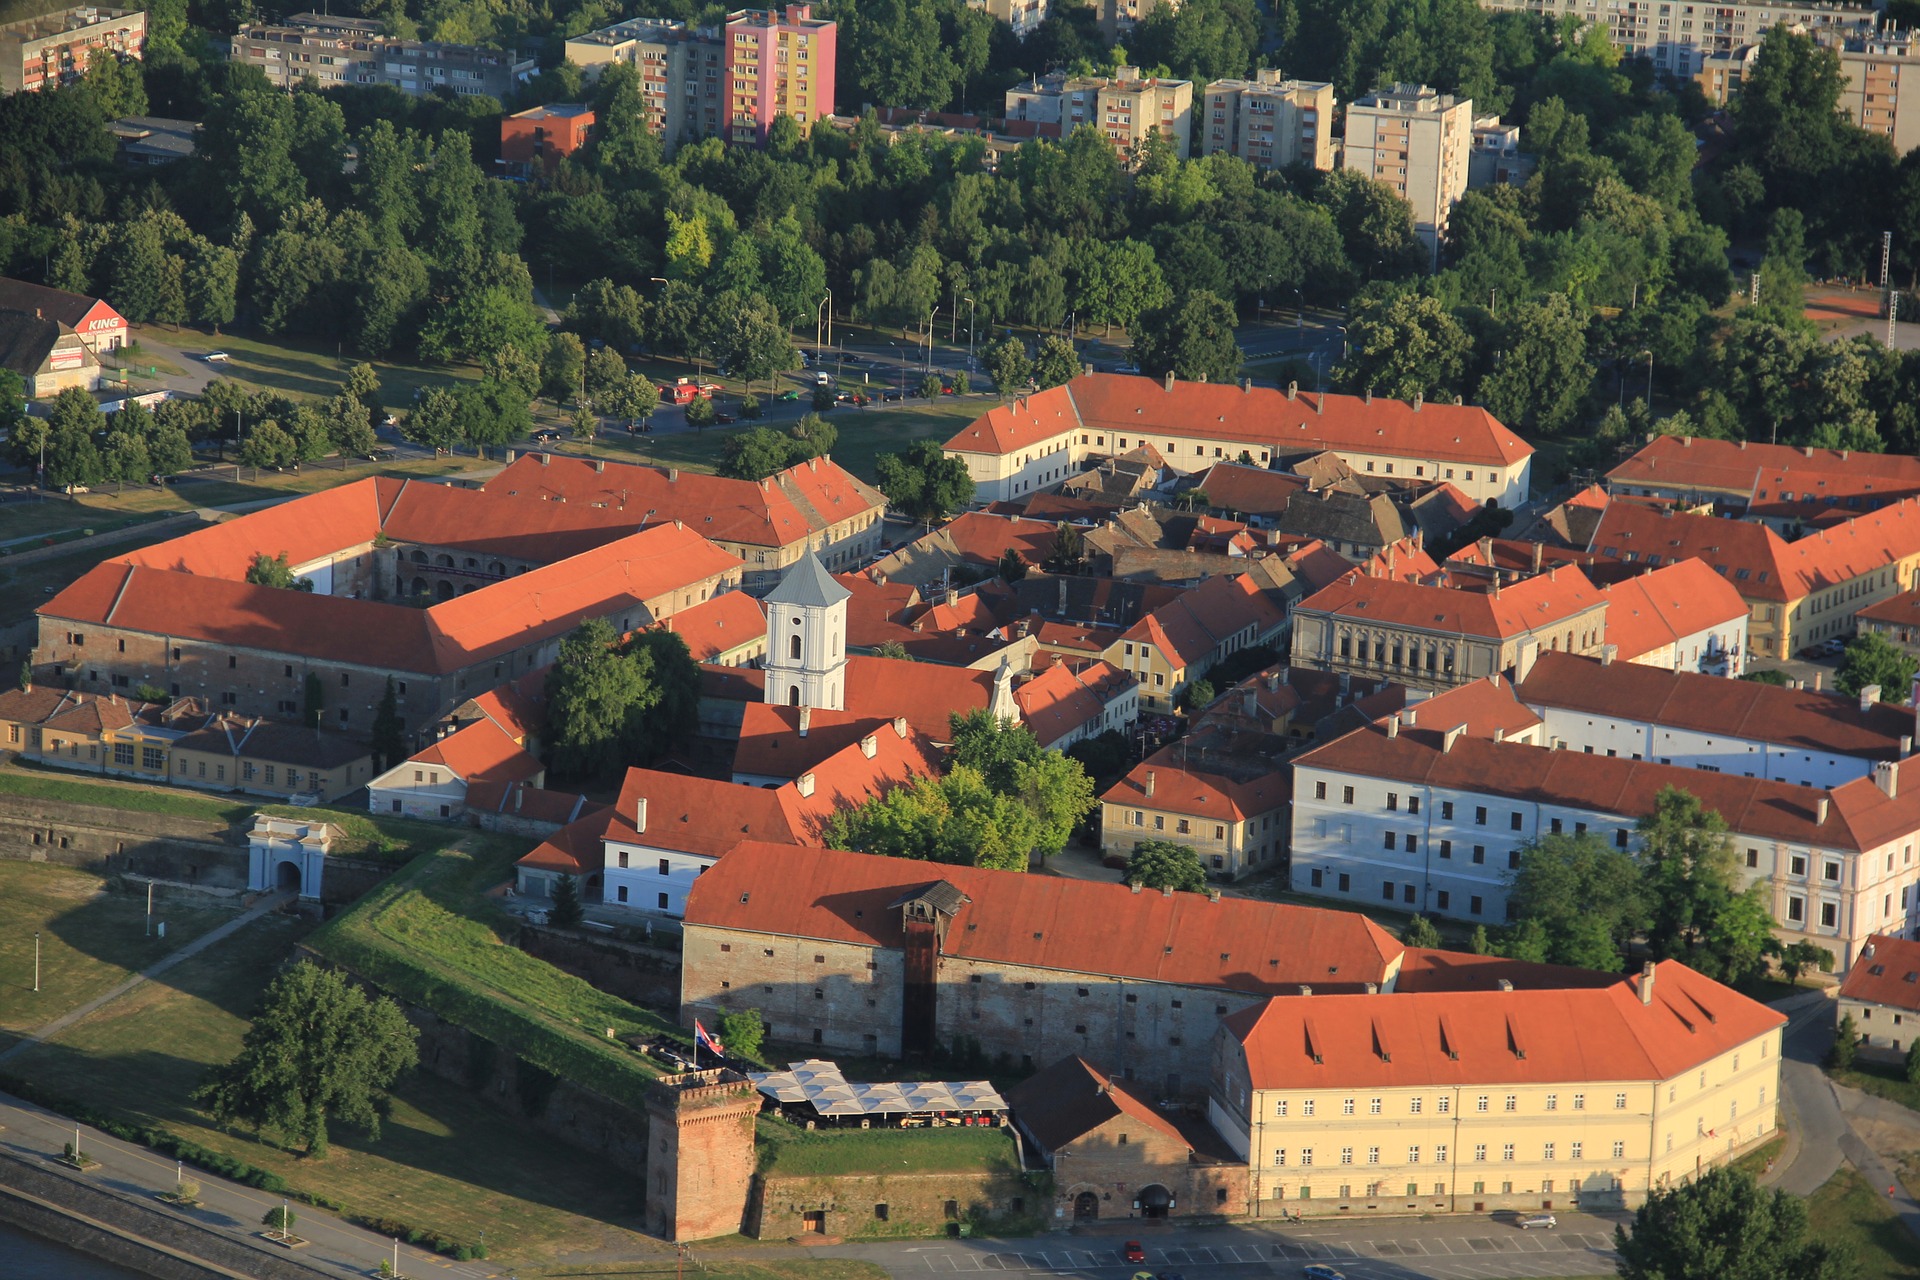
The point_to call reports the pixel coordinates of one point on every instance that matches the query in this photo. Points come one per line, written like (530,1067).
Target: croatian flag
(701,1040)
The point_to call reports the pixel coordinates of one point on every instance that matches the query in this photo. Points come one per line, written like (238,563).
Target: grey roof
(808,584)
(26,340)
(942,896)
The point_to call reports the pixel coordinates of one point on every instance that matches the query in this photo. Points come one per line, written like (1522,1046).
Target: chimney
(519,792)
(1505,985)
(1906,745)
(1538,551)
(1368,398)
(1886,776)
(1169,380)
(1213,895)
(640,814)
(673,475)
(1246,384)
(1807,449)
(1135,886)
(1529,654)
(1086,370)
(1149,786)
(804,783)
(1452,736)
(1686,442)
(1499,733)
(1868,950)
(806,720)
(1393,725)
(599,465)
(900,727)
(1869,694)
(1293,391)
(1166,891)
(1410,717)
(1062,606)
(1817,677)
(1486,549)
(545,458)
(869,746)
(1373,988)
(1305,990)
(1608,652)
(1417,400)
(1646,983)
(1820,811)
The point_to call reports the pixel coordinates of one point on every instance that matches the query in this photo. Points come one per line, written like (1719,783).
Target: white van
(822,379)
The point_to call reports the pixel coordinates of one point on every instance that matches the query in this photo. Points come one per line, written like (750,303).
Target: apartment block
(541,135)
(1418,142)
(1873,64)
(1270,121)
(722,82)
(1022,15)
(52,49)
(1126,106)
(354,51)
(1677,38)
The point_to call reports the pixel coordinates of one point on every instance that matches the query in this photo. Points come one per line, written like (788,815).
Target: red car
(1132,1251)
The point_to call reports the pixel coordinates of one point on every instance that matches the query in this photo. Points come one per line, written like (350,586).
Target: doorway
(1155,1201)
(1086,1207)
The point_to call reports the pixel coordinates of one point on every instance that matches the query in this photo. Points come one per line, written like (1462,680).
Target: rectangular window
(1479,1151)
(1373,1155)
(1619,1150)
(1578,1150)
(1506,1151)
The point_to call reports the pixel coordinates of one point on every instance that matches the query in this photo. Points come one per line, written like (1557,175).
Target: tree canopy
(319,1051)
(1721,1223)
(1162,864)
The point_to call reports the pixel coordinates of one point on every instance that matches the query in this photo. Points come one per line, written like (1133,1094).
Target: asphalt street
(1479,1247)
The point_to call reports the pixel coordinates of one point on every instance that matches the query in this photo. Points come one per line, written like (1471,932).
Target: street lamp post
(930,315)
(969,334)
(1299,309)
(36,961)
(1649,356)
(825,308)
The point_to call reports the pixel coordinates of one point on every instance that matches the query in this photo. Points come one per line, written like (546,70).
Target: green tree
(1584,894)
(750,407)
(1011,566)
(594,695)
(756,453)
(1067,553)
(1192,338)
(932,385)
(434,421)
(1009,365)
(318,1051)
(922,481)
(169,450)
(1871,659)
(1722,1223)
(743,1032)
(268,445)
(1056,362)
(1405,346)
(313,701)
(1197,694)
(1054,788)
(72,425)
(280,1218)
(1162,864)
(701,412)
(1696,911)
(1913,1063)
(585,423)
(273,571)
(564,368)
(954,819)
(567,912)
(1479,943)
(1541,373)
(389,738)
(1797,957)
(1846,1043)
(1420,933)
(350,426)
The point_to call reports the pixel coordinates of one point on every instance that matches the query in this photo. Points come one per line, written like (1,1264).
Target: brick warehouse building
(507,580)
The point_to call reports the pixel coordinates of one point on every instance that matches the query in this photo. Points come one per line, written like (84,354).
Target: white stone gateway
(288,855)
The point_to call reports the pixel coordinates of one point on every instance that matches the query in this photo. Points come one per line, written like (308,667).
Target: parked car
(1834,647)
(789,395)
(1321,1271)
(1132,1251)
(1532,1220)
(546,435)
(822,379)
(216,357)
(723,419)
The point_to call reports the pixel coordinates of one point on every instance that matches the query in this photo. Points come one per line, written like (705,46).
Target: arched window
(793,695)
(793,647)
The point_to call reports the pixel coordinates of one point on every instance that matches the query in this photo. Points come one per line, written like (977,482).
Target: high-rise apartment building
(52,49)
(1126,106)
(1872,66)
(1269,121)
(1022,15)
(1676,37)
(779,62)
(680,73)
(354,51)
(1418,142)
(730,82)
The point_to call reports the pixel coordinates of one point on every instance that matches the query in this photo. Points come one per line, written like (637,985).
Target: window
(1619,1150)
(1280,1108)
(1280,1156)
(1319,791)
(1444,1105)
(1579,1102)
(1480,1103)
(1346,1155)
(1306,1108)
(1546,1151)
(1373,1106)
(1513,1102)
(1413,1155)
(1479,1151)
(1306,1155)
(1346,1106)
(123,753)
(1413,1106)
(1506,1151)
(1440,1153)
(1619,1102)
(1373,1155)
(1346,795)
(1578,1150)
(1480,815)
(1553,1102)
(1513,821)
(1446,810)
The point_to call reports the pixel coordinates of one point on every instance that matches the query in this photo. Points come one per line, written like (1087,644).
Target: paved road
(1812,1114)
(1462,1248)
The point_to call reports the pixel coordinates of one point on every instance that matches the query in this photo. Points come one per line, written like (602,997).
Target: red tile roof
(1190,628)
(1751,556)
(772,746)
(925,693)
(1067,695)
(1842,552)
(784,509)
(1146,408)
(1736,467)
(1072,1098)
(1887,972)
(504,615)
(1181,788)
(1541,601)
(479,752)
(1047,922)
(575,849)
(1498,1037)
(719,625)
(1902,610)
(1249,490)
(1663,607)
(1824,497)
(1799,718)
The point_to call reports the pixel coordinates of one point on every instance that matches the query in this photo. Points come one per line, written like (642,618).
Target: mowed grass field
(90,939)
(445,1161)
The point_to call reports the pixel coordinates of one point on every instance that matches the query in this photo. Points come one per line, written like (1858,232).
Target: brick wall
(700,1154)
(1117,1161)
(823,994)
(884,1206)
(644,975)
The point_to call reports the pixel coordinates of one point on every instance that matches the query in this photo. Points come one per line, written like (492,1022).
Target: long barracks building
(1036,442)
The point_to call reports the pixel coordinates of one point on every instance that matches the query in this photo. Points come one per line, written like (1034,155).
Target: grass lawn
(1881,1079)
(445,1162)
(363,836)
(865,434)
(785,1149)
(1849,1210)
(90,939)
(432,937)
(299,366)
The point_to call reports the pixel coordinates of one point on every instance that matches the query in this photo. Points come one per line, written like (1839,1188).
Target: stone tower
(807,638)
(700,1164)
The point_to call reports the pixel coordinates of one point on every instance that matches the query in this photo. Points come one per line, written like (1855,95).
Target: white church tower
(807,638)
